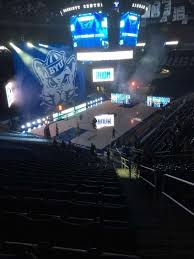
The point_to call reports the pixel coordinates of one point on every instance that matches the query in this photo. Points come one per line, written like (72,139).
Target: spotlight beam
(43,45)
(18,50)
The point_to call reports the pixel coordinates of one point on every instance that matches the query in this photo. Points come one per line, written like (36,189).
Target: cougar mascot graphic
(57,76)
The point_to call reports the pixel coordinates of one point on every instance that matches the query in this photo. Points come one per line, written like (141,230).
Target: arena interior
(96,129)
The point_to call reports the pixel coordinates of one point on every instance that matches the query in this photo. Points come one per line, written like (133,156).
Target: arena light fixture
(141,44)
(169,43)
(30,45)
(3,48)
(103,56)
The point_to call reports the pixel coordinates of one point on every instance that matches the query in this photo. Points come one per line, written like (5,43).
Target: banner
(155,9)
(147,13)
(180,61)
(164,19)
(178,13)
(47,77)
(167,8)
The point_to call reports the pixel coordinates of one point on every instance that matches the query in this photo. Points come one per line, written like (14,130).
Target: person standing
(113,132)
(57,130)
(108,154)
(78,129)
(47,133)
(94,121)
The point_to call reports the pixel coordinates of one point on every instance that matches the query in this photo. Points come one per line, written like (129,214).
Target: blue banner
(47,77)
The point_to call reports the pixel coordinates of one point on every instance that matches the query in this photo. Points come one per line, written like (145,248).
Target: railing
(163,186)
(124,163)
(148,175)
(178,191)
(119,158)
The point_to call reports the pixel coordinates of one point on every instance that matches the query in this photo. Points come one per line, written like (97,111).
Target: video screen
(89,30)
(105,120)
(157,102)
(129,29)
(103,75)
(120,98)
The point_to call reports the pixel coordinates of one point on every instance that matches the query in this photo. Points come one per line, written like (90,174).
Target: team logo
(57,75)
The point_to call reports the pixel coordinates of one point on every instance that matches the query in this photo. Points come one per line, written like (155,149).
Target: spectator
(57,130)
(113,132)
(77,129)
(94,121)
(47,133)
(93,149)
(108,154)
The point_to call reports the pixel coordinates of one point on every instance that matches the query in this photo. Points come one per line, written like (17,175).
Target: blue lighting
(89,30)
(157,101)
(129,28)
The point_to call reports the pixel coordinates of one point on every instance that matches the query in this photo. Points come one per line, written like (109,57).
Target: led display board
(129,28)
(103,75)
(120,98)
(89,30)
(105,120)
(156,101)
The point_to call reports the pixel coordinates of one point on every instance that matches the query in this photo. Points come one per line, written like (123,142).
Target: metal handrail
(148,168)
(179,179)
(146,180)
(123,160)
(173,199)
(178,203)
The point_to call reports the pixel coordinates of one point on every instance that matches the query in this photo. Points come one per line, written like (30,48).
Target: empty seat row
(18,250)
(19,228)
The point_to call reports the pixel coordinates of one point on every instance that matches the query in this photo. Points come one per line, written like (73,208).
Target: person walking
(47,133)
(94,121)
(108,154)
(113,132)
(57,130)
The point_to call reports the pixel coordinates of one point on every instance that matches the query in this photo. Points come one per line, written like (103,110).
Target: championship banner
(155,9)
(147,13)
(167,8)
(178,13)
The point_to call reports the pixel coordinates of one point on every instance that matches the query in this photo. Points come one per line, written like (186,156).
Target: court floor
(125,119)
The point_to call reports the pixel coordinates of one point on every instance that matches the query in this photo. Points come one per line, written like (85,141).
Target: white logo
(116,4)
(57,76)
